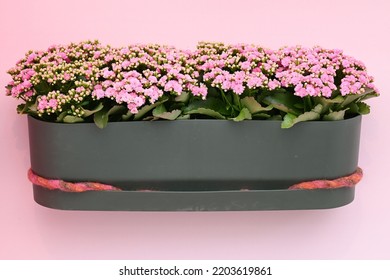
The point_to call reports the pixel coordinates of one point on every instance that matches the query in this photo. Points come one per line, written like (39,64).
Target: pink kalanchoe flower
(246,65)
(104,72)
(300,90)
(53,103)
(98,92)
(286,61)
(153,93)
(199,91)
(29,93)
(273,84)
(27,74)
(254,82)
(311,90)
(153,80)
(105,84)
(79,89)
(42,103)
(67,76)
(110,92)
(237,88)
(108,57)
(108,73)
(126,64)
(31,58)
(125,51)
(326,92)
(26,85)
(97,54)
(133,108)
(226,85)
(173,85)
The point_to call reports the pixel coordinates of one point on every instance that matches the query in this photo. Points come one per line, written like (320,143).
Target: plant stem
(237,101)
(225,98)
(308,104)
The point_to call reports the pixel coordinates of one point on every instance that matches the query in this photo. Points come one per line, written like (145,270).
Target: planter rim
(315,122)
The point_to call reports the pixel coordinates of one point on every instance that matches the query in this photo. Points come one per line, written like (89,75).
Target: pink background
(358,231)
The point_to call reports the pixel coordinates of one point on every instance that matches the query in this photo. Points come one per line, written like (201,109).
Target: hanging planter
(253,129)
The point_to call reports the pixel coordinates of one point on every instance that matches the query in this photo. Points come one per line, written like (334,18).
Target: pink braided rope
(347,181)
(68,186)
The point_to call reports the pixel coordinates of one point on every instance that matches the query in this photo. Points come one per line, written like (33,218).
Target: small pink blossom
(108,73)
(237,88)
(246,65)
(286,61)
(173,85)
(31,57)
(126,64)
(97,54)
(42,103)
(273,84)
(326,92)
(67,76)
(52,103)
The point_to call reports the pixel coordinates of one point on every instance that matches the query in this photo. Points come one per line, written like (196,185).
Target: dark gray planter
(195,164)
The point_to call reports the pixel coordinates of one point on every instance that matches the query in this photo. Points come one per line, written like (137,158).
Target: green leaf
(353,108)
(150,118)
(245,114)
(72,119)
(117,109)
(254,106)
(101,118)
(61,117)
(184,117)
(147,108)
(87,113)
(276,118)
(27,108)
(369,93)
(207,112)
(42,88)
(214,104)
(21,108)
(183,97)
(127,116)
(364,108)
(290,120)
(327,101)
(161,112)
(350,98)
(261,116)
(284,102)
(213,92)
(335,116)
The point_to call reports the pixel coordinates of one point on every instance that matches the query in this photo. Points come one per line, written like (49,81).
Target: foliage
(90,82)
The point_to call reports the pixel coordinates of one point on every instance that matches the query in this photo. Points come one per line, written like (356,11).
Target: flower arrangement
(90,82)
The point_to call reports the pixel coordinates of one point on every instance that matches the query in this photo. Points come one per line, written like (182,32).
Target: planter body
(194,158)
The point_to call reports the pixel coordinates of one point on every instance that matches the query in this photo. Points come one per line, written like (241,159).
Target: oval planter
(195,164)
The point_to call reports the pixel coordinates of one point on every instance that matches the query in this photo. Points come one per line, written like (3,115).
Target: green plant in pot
(241,115)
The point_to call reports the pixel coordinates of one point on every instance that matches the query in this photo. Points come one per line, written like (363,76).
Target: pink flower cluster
(64,77)
(306,71)
(141,74)
(315,72)
(61,77)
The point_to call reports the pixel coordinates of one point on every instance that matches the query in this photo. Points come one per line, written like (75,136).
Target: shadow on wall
(164,235)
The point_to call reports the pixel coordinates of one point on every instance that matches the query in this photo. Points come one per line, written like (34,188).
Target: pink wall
(358,231)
